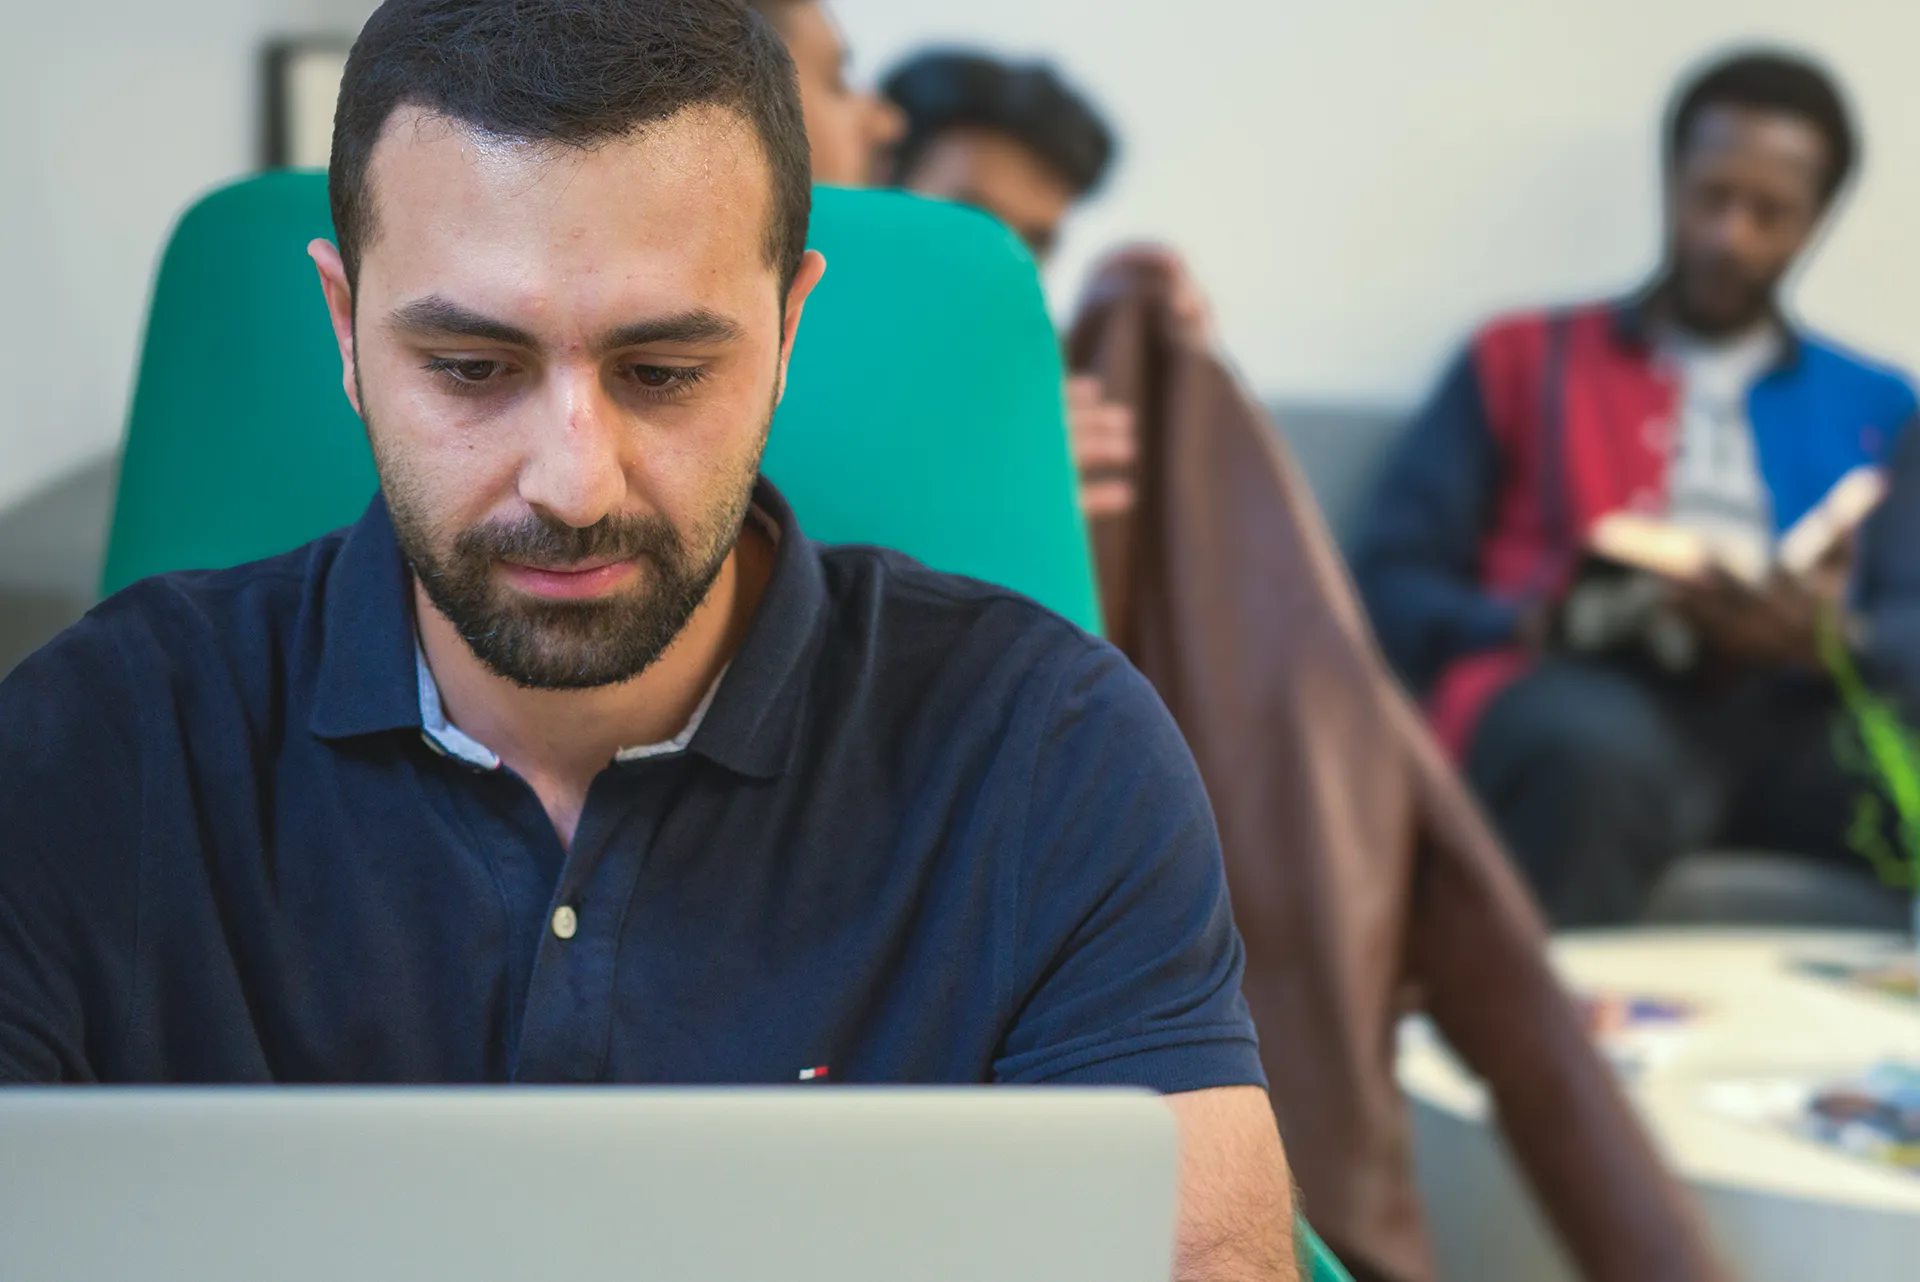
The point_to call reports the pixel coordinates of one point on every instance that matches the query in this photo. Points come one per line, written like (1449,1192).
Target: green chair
(923,410)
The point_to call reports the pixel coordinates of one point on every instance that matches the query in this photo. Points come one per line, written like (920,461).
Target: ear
(339,295)
(812,267)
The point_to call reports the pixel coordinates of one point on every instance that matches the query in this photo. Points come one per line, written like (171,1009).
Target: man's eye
(464,371)
(665,378)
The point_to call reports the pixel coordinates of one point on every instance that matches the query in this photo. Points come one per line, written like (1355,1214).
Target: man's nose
(886,123)
(574,470)
(1736,233)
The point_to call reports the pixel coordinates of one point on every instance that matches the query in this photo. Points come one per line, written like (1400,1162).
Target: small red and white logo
(814,1074)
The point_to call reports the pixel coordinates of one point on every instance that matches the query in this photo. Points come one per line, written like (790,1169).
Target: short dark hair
(575,72)
(947,89)
(1770,80)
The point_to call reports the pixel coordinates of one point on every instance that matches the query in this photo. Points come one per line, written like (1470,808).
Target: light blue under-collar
(443,736)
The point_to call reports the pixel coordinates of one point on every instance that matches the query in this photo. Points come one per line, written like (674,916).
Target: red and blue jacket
(1552,420)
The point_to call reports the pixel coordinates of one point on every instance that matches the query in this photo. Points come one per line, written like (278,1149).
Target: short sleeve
(69,833)
(1126,953)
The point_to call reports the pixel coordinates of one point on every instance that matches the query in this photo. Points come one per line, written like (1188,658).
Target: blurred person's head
(851,130)
(1758,146)
(571,264)
(1015,141)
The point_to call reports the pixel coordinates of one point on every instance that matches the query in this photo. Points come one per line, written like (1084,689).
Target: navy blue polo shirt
(925,832)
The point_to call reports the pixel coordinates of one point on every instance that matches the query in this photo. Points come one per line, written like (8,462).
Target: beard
(569,645)
(1714,297)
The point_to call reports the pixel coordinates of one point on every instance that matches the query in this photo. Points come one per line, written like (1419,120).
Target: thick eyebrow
(698,326)
(436,315)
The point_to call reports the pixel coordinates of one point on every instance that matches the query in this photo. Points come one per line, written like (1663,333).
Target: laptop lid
(793,1185)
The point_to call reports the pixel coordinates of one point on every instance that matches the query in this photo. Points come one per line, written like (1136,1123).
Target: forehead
(1776,142)
(687,198)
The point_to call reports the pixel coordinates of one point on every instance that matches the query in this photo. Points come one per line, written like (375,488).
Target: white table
(1780,1207)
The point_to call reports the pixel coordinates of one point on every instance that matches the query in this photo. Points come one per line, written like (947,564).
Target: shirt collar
(367,681)
(450,740)
(372,678)
(755,724)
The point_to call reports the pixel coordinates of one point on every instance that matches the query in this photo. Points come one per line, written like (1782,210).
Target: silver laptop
(794,1185)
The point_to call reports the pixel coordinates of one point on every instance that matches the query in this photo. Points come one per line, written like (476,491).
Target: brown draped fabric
(1363,876)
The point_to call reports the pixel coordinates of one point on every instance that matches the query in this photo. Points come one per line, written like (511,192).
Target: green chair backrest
(923,410)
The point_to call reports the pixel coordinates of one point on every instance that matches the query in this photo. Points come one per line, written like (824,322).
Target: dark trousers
(1600,774)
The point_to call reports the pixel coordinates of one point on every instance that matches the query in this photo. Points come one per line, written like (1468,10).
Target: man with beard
(1678,714)
(574,760)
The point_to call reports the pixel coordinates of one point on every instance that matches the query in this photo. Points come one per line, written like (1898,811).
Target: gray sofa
(51,549)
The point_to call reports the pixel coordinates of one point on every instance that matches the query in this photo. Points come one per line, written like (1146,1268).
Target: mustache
(1726,267)
(539,540)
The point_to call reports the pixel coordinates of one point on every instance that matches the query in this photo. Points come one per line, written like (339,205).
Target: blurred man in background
(854,134)
(1701,716)
(850,130)
(1018,142)
(1015,141)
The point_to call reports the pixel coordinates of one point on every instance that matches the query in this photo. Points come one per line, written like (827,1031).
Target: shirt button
(566,922)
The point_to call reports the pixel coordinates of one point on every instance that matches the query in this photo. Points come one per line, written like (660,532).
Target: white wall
(1358,182)
(117,112)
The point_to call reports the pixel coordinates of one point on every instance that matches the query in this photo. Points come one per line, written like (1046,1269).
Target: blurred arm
(1419,552)
(1106,449)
